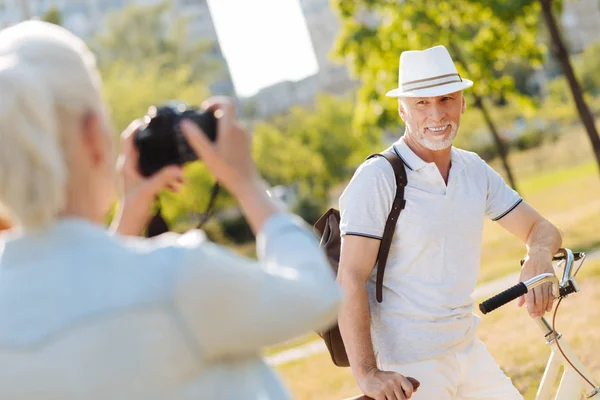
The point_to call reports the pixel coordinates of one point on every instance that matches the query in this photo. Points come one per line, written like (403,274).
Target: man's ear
(464,105)
(401,110)
(94,138)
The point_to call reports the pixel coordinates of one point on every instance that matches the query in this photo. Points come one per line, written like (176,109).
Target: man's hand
(540,299)
(383,385)
(543,241)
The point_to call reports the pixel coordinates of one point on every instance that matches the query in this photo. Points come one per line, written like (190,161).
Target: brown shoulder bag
(327,229)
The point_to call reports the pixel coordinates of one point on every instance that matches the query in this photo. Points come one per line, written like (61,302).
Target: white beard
(437,144)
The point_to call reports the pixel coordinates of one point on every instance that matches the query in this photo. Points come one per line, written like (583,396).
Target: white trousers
(468,373)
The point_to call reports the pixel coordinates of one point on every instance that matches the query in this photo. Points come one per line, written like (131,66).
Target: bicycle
(576,379)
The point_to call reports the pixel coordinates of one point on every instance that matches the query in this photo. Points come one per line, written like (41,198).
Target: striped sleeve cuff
(361,234)
(505,213)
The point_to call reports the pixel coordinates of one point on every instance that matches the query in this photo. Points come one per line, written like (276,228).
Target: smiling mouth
(438,129)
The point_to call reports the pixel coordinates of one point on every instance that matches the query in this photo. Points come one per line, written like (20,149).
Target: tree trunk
(499,143)
(502,150)
(560,52)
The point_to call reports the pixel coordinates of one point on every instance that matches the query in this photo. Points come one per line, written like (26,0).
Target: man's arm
(357,259)
(543,241)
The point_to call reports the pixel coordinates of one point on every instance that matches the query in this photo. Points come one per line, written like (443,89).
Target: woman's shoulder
(178,254)
(167,241)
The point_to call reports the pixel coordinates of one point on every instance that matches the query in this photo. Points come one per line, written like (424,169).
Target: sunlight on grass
(290,344)
(549,179)
(563,184)
(316,378)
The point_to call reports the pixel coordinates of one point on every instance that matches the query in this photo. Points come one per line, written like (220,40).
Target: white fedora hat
(428,73)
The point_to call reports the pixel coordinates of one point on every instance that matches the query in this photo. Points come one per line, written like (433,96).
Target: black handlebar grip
(502,298)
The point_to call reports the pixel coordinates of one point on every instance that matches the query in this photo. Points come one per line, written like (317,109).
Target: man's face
(433,121)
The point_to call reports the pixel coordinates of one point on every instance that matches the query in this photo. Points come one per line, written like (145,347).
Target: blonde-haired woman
(85,314)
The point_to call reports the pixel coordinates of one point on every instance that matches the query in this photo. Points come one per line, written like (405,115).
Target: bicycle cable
(561,350)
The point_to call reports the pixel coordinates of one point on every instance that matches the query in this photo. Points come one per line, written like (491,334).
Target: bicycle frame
(572,385)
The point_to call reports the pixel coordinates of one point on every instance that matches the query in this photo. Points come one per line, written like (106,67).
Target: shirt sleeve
(235,306)
(367,200)
(501,199)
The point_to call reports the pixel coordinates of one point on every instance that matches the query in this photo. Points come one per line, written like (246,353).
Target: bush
(214,232)
(309,208)
(237,230)
(529,140)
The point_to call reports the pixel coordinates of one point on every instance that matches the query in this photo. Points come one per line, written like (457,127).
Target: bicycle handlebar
(519,289)
(502,298)
(565,286)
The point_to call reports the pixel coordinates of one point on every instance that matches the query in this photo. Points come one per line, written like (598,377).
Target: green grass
(547,180)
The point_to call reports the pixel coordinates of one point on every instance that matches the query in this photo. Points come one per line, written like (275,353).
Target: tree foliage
(143,35)
(549,10)
(482,43)
(312,148)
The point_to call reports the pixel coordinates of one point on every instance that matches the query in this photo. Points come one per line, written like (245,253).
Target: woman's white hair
(46,74)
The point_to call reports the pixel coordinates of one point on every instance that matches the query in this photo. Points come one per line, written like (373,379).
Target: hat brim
(432,91)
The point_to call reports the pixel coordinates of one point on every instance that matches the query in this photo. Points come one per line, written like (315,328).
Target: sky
(264,42)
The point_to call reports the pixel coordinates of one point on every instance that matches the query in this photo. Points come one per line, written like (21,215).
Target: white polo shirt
(434,258)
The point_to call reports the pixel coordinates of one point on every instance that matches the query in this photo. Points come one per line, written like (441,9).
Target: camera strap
(158,225)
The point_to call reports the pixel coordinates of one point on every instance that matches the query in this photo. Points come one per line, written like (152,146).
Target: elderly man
(425,326)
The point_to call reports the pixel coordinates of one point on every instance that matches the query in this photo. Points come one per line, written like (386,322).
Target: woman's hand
(230,157)
(139,192)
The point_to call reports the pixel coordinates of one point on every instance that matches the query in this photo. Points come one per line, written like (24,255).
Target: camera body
(159,140)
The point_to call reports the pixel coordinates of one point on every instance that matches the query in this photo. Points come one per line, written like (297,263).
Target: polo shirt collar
(410,159)
(415,163)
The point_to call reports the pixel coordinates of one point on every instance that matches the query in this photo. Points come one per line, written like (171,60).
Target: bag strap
(390,225)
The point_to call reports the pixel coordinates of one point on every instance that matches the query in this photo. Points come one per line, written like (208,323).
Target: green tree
(284,159)
(509,9)
(481,44)
(327,129)
(560,51)
(129,90)
(153,34)
(313,148)
(53,16)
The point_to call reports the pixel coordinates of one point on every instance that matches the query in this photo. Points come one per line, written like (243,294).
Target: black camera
(160,141)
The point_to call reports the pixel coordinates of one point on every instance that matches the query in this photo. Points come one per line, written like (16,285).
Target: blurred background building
(580,20)
(87,17)
(581,23)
